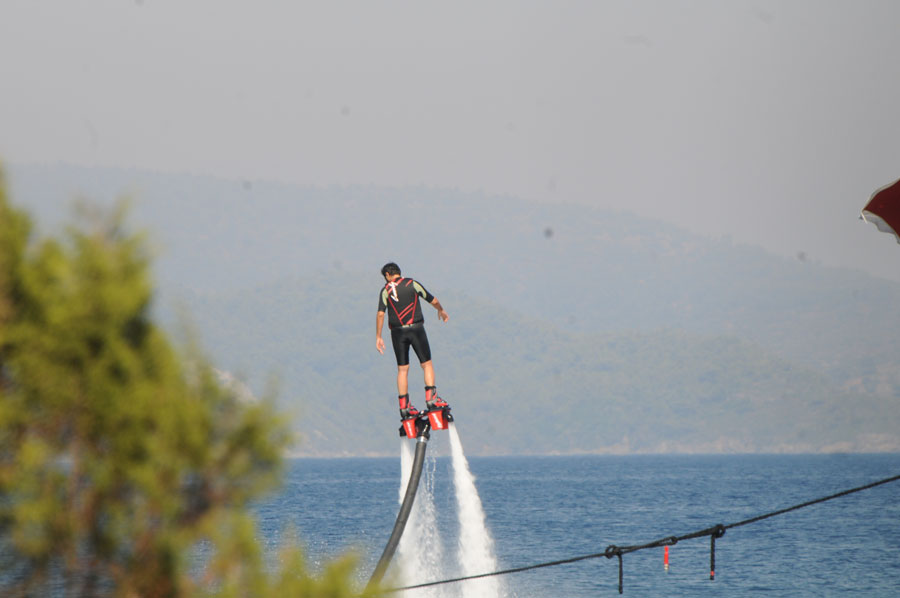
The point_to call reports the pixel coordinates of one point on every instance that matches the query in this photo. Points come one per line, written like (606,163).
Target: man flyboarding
(400,298)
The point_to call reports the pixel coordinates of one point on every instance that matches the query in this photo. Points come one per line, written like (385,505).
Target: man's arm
(440,309)
(379,324)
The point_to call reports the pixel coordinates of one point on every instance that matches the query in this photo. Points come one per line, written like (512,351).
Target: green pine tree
(126,468)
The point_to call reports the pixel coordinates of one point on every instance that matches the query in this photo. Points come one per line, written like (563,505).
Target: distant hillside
(583,278)
(523,386)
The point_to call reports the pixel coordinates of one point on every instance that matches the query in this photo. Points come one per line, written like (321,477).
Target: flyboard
(418,427)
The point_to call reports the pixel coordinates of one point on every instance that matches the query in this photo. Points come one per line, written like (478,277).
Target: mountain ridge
(581,277)
(523,386)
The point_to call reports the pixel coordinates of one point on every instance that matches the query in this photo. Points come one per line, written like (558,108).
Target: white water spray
(420,551)
(476,547)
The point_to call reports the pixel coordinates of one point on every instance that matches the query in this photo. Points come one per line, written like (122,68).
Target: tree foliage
(126,469)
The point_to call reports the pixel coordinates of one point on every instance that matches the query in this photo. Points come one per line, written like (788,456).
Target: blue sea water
(541,509)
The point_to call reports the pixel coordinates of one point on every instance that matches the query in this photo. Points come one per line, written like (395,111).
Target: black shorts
(410,336)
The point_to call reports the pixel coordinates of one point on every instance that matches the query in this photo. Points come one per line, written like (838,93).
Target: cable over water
(714,532)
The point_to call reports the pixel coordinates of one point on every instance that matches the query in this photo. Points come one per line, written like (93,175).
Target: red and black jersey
(400,299)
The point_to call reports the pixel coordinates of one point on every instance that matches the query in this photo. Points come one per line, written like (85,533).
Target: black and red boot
(432,400)
(407,411)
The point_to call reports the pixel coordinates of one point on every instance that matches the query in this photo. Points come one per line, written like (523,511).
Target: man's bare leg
(428,369)
(431,399)
(403,379)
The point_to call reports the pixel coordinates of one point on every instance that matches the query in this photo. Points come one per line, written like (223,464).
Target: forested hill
(526,386)
(572,306)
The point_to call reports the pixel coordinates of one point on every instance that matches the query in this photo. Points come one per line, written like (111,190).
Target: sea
(539,510)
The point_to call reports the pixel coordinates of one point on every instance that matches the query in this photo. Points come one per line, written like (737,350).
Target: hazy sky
(769,121)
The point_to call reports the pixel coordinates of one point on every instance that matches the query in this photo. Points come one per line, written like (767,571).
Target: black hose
(403,515)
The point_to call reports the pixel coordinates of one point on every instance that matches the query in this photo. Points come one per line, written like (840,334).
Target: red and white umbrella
(883,209)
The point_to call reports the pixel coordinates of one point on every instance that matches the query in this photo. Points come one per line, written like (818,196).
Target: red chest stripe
(409,312)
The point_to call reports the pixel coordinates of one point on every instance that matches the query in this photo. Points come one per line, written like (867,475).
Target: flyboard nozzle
(440,418)
(434,419)
(415,427)
(408,427)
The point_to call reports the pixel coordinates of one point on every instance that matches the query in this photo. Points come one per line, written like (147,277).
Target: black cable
(812,502)
(502,572)
(716,531)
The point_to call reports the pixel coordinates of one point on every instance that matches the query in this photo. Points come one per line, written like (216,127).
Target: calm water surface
(543,509)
